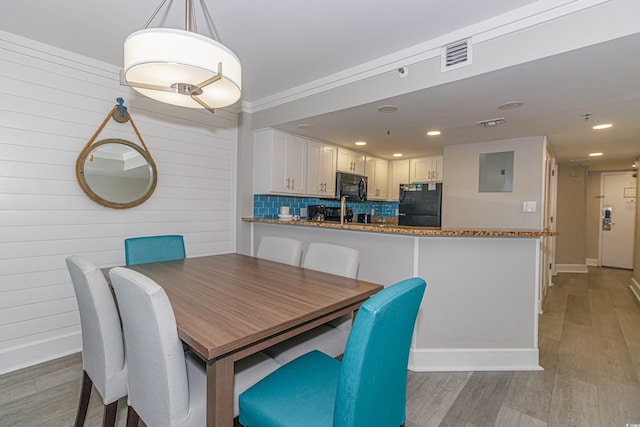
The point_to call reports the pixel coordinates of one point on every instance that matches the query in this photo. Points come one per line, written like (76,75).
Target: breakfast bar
(480,310)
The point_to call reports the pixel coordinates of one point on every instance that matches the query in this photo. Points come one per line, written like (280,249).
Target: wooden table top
(223,303)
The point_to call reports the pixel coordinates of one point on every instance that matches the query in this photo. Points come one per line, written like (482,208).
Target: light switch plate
(528,206)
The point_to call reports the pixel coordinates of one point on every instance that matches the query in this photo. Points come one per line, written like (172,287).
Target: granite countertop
(392,228)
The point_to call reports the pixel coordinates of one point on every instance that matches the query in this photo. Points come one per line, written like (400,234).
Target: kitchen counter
(405,230)
(483,294)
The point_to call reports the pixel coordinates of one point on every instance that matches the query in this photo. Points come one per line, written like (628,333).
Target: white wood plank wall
(51,103)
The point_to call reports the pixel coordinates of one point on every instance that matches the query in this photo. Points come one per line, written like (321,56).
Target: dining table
(230,306)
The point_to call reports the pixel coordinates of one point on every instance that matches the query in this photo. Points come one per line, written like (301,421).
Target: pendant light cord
(190,20)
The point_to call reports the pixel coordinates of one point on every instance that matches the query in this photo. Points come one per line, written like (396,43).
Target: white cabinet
(377,173)
(399,174)
(321,169)
(279,162)
(350,161)
(426,169)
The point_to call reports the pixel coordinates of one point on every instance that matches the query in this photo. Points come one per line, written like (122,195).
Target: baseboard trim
(571,268)
(635,288)
(12,359)
(592,262)
(473,359)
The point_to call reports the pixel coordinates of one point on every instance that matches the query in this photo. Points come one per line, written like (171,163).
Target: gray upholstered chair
(280,249)
(167,387)
(103,359)
(330,338)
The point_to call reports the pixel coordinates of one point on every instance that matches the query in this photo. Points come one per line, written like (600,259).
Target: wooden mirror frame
(80,174)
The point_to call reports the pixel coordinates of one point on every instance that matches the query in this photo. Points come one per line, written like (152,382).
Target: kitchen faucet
(343,208)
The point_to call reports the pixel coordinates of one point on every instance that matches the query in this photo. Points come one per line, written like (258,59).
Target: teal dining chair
(141,250)
(367,388)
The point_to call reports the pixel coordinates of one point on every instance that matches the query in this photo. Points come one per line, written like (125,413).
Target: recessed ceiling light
(304,126)
(511,105)
(361,143)
(434,133)
(595,154)
(397,154)
(387,109)
(602,126)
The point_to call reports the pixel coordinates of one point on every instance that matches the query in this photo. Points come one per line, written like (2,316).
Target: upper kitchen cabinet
(426,169)
(399,174)
(321,169)
(377,172)
(350,161)
(279,161)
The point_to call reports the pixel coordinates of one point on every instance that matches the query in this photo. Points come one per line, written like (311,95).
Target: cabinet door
(295,162)
(329,170)
(399,175)
(279,163)
(420,169)
(314,168)
(382,178)
(350,161)
(321,169)
(426,169)
(377,172)
(437,168)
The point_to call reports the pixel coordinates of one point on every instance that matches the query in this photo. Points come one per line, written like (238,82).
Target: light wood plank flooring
(589,339)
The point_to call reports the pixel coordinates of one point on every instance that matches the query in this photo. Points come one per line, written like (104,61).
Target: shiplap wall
(51,103)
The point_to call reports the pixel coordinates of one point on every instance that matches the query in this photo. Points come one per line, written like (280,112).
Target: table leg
(220,392)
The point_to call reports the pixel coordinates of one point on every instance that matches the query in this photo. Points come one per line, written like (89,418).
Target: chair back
(158,383)
(103,357)
(373,376)
(141,250)
(280,249)
(333,259)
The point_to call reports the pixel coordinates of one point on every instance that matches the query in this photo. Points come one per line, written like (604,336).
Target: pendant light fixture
(182,67)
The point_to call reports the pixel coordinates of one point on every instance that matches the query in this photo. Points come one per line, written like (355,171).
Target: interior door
(619,196)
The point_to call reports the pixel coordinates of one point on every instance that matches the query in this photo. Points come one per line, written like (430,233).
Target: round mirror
(116,173)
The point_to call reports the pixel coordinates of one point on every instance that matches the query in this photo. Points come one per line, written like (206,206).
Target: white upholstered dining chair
(167,386)
(103,358)
(280,249)
(329,338)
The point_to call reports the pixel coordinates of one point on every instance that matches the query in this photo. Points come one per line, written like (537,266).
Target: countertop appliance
(420,204)
(354,187)
(364,218)
(325,213)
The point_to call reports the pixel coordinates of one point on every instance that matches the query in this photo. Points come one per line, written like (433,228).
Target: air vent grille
(456,55)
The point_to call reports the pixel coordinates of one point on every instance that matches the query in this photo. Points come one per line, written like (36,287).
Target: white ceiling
(287,43)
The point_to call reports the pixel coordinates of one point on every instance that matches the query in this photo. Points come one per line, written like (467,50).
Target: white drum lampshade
(175,61)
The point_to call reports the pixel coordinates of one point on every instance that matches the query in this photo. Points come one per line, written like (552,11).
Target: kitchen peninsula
(481,305)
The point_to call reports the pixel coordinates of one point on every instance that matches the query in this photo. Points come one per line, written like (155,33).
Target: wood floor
(589,338)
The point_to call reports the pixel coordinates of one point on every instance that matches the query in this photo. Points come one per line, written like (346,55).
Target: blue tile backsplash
(265,206)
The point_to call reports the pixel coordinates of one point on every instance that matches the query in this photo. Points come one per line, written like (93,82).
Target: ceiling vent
(456,55)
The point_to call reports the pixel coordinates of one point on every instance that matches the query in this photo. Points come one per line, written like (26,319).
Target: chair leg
(83,404)
(133,419)
(109,417)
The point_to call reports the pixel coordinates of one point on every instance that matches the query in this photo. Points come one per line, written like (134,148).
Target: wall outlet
(529,207)
(373,211)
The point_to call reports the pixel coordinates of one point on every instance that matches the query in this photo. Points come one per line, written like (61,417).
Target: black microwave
(354,187)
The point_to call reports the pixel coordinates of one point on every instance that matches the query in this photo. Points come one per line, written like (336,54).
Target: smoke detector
(491,122)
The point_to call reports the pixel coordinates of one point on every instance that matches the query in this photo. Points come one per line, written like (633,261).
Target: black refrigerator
(420,204)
